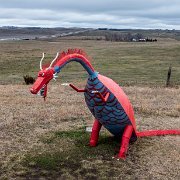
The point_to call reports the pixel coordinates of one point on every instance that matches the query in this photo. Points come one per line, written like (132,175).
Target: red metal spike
(71,51)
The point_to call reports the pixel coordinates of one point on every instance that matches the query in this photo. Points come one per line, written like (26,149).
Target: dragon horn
(54,60)
(41,61)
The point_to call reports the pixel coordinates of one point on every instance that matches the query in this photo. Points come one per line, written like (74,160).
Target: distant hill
(26,33)
(11,32)
(150,33)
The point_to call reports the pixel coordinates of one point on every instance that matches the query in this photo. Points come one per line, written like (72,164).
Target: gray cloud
(91,13)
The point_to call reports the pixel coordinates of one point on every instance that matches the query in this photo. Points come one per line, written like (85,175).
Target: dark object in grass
(168,77)
(28,79)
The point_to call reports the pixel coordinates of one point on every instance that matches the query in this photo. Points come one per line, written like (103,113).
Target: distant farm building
(142,40)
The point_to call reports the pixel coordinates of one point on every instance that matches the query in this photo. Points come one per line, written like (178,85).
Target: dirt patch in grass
(42,139)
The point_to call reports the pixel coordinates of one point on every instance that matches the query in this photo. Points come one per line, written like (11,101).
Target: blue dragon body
(110,113)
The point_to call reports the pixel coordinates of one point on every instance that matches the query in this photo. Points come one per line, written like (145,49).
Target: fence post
(168,77)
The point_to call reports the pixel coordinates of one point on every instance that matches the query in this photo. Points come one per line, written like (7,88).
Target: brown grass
(26,120)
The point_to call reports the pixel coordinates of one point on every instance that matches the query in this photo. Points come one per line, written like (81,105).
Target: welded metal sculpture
(105,99)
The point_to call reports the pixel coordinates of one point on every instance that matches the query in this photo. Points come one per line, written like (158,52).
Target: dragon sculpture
(105,99)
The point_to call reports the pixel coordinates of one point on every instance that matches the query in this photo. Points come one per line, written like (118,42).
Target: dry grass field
(47,140)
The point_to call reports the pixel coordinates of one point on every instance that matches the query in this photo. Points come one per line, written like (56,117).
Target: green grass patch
(66,155)
(66,151)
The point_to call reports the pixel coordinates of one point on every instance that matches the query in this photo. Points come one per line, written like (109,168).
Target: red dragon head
(44,76)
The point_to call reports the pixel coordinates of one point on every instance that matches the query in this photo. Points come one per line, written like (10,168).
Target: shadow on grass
(70,160)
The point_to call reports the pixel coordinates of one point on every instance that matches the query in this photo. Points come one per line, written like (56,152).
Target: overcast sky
(147,14)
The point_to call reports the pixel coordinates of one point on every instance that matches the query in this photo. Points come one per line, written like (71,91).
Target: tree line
(126,37)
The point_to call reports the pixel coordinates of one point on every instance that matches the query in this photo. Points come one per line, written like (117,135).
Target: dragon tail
(158,133)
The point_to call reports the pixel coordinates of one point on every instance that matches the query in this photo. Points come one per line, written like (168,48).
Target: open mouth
(43,91)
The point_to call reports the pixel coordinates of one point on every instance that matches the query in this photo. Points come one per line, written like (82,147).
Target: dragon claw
(55,76)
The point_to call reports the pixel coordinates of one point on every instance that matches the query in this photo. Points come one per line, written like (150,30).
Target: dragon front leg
(125,142)
(104,99)
(76,89)
(95,133)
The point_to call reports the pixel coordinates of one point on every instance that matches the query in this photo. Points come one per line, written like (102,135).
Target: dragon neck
(78,58)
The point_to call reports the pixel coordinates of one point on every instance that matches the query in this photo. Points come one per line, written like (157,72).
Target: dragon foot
(125,142)
(93,143)
(119,157)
